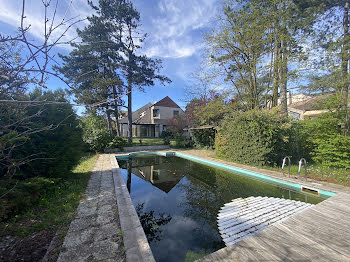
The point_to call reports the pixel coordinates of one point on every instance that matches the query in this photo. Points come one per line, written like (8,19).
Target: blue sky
(174,28)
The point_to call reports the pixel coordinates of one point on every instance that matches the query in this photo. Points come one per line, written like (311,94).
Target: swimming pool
(177,201)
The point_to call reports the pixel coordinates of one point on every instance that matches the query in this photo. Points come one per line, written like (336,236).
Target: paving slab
(95,232)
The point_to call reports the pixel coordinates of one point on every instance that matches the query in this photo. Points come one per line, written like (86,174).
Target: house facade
(307,109)
(151,120)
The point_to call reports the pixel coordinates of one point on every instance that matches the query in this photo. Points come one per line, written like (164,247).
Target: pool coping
(136,245)
(135,242)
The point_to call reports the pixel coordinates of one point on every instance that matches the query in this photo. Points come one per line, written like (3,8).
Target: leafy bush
(182,142)
(58,146)
(203,137)
(20,195)
(97,136)
(166,140)
(333,151)
(166,134)
(253,137)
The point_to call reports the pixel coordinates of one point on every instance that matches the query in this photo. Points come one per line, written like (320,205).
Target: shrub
(203,137)
(97,136)
(166,140)
(182,142)
(57,150)
(253,137)
(333,151)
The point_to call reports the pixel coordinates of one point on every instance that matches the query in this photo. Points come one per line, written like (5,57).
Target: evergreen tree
(108,58)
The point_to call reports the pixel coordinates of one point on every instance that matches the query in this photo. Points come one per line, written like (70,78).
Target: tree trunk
(283,70)
(275,74)
(345,69)
(129,111)
(116,111)
(109,121)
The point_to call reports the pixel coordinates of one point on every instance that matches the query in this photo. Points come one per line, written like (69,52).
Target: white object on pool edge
(244,217)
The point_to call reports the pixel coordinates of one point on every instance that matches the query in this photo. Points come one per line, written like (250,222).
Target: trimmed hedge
(254,138)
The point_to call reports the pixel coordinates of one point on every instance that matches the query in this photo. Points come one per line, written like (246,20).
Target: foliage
(182,142)
(51,140)
(333,151)
(209,109)
(97,136)
(176,125)
(203,137)
(166,140)
(47,201)
(253,137)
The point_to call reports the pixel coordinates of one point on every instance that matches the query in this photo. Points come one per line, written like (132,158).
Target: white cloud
(173,30)
(10,13)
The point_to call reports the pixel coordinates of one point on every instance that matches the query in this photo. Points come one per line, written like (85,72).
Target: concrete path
(95,234)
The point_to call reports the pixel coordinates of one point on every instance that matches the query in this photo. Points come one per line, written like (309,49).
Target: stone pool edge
(135,242)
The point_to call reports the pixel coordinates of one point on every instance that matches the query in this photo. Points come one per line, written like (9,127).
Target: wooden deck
(319,233)
(242,218)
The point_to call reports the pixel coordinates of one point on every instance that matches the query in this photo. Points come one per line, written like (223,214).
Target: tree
(24,63)
(138,70)
(334,16)
(92,66)
(236,47)
(177,124)
(108,58)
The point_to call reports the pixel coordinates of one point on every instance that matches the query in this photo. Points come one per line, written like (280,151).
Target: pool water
(177,201)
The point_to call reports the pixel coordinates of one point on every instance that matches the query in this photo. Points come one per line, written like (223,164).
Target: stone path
(95,234)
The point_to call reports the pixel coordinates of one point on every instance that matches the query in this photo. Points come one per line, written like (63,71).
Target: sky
(174,30)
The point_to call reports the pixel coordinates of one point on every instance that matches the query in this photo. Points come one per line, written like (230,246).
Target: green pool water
(177,201)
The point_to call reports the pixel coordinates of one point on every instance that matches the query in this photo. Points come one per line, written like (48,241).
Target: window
(143,114)
(176,113)
(155,112)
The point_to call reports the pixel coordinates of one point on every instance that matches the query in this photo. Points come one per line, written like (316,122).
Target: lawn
(314,171)
(150,142)
(319,172)
(26,233)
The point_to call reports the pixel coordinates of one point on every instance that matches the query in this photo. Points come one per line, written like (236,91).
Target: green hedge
(264,138)
(254,138)
(203,137)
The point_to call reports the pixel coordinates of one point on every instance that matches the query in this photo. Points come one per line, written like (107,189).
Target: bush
(253,137)
(203,137)
(97,136)
(182,142)
(58,149)
(166,140)
(333,151)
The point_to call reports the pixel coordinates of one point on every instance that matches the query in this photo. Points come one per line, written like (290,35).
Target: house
(307,109)
(150,120)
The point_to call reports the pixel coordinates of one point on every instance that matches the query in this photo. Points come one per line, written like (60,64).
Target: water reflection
(157,171)
(152,223)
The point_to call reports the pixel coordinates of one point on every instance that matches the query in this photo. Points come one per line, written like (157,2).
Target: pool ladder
(301,162)
(284,164)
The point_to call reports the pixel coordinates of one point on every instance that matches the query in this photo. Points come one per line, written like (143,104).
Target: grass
(56,205)
(150,142)
(314,171)
(319,172)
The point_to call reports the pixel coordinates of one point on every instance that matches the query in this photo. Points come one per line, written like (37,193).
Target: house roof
(147,118)
(166,102)
(309,104)
(136,119)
